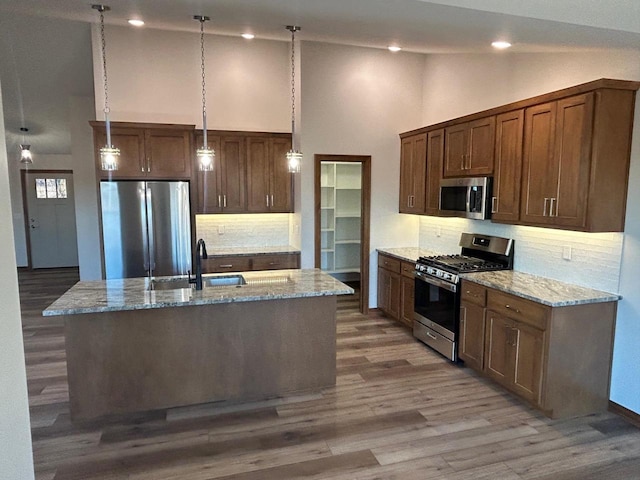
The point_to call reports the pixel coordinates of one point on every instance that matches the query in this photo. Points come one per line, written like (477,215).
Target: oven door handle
(436,281)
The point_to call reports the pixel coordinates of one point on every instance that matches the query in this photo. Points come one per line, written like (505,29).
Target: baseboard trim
(629,415)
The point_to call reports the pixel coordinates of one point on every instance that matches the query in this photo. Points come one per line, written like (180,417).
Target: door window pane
(52,191)
(61,183)
(41,189)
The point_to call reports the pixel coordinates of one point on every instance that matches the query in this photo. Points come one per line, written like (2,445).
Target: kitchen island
(135,345)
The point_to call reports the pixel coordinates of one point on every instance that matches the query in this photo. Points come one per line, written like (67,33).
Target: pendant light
(25,153)
(108,154)
(204,154)
(294,157)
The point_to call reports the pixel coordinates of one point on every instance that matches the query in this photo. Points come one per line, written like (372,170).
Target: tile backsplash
(595,257)
(246,230)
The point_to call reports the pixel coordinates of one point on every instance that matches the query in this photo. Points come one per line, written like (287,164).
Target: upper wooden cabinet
(468,148)
(249,174)
(505,202)
(435,159)
(559,160)
(149,151)
(269,183)
(413,163)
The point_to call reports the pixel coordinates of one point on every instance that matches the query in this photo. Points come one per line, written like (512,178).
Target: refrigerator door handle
(150,229)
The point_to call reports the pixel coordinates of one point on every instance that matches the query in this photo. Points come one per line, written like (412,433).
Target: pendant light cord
(293,87)
(104,75)
(204,89)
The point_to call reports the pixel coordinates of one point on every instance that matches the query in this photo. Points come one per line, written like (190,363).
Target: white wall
(16,459)
(154,76)
(455,85)
(244,230)
(356,101)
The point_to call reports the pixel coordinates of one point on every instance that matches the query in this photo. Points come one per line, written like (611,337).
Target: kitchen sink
(207,282)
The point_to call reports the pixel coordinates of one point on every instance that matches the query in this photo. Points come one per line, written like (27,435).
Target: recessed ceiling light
(394,48)
(500,44)
(248,36)
(136,22)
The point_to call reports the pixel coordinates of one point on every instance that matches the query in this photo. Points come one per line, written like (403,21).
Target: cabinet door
(275,262)
(209,193)
(394,296)
(497,355)
(481,138)
(455,150)
(232,174)
(413,155)
(505,203)
(231,263)
(472,327)
(540,167)
(407,293)
(258,161)
(528,357)
(573,154)
(435,159)
(281,180)
(130,141)
(384,289)
(168,153)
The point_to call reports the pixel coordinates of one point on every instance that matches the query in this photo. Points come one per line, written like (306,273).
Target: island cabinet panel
(469,148)
(505,202)
(131,361)
(413,163)
(556,358)
(147,151)
(435,160)
(268,179)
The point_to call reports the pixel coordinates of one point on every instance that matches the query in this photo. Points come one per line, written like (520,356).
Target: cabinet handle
(272,200)
(226,266)
(148,164)
(219,201)
(512,308)
(408,201)
(551,203)
(267,200)
(544,208)
(142,168)
(274,263)
(430,335)
(463,315)
(514,332)
(493,204)
(462,163)
(224,201)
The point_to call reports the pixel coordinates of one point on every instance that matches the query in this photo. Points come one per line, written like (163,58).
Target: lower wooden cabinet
(247,263)
(556,358)
(396,288)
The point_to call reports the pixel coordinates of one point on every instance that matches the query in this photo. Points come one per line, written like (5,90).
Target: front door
(51,219)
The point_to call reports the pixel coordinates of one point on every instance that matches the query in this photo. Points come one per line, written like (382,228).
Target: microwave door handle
(468,200)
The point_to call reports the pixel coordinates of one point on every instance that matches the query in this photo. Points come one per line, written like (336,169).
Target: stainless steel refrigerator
(146,228)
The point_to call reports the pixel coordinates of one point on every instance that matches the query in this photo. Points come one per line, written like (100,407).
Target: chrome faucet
(201,252)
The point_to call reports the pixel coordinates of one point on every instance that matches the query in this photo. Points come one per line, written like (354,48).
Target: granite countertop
(250,251)
(540,289)
(133,294)
(408,254)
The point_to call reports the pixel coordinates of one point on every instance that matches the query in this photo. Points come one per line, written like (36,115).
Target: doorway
(342,224)
(50,215)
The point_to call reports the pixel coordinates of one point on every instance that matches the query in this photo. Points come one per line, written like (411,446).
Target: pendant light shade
(204,154)
(294,157)
(25,152)
(108,154)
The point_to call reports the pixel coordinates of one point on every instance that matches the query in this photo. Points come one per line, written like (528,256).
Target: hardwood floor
(398,411)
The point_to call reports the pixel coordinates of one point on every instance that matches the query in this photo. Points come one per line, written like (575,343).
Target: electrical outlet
(220,229)
(566,252)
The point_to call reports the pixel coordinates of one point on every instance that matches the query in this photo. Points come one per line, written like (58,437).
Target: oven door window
(436,304)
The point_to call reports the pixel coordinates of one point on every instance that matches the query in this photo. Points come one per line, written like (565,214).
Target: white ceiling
(45,51)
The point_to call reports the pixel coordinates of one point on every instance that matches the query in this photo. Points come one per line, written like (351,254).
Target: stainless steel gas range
(437,292)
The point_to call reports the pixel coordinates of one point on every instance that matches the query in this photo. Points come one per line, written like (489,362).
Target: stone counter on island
(132,349)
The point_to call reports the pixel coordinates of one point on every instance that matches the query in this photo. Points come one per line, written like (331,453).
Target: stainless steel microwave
(466,197)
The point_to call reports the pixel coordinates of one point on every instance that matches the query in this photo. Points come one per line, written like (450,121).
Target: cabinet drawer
(226,264)
(388,263)
(275,262)
(518,308)
(474,293)
(407,269)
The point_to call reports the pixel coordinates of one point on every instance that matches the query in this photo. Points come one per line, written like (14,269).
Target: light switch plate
(566,252)
(220,229)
